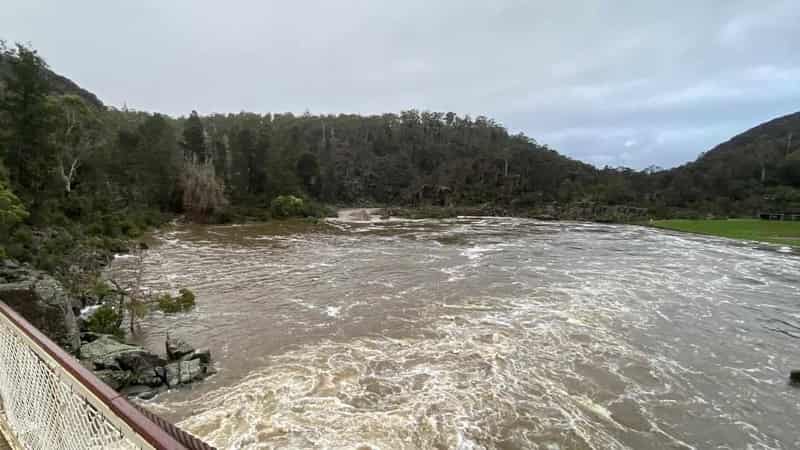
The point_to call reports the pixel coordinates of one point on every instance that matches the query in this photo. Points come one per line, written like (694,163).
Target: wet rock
(203,355)
(177,348)
(183,372)
(141,392)
(116,379)
(140,361)
(135,390)
(150,394)
(149,378)
(88,336)
(105,354)
(129,368)
(42,301)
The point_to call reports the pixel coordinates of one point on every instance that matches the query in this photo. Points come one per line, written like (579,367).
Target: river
(481,333)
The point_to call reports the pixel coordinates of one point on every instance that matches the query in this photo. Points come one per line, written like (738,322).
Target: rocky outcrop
(106,353)
(137,372)
(133,370)
(177,348)
(183,372)
(42,301)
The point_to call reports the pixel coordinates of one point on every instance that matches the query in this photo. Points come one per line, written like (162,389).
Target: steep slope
(770,142)
(59,84)
(756,170)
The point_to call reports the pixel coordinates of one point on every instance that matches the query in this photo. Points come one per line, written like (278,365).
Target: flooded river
(481,333)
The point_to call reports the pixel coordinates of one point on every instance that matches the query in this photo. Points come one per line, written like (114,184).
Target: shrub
(183,302)
(106,320)
(285,206)
(101,290)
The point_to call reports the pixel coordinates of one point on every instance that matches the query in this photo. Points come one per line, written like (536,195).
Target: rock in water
(116,379)
(183,372)
(177,348)
(42,301)
(794,377)
(105,353)
(204,355)
(140,392)
(139,373)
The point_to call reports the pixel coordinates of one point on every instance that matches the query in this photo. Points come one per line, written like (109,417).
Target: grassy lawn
(787,233)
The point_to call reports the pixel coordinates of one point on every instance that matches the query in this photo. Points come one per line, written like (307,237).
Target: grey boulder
(42,301)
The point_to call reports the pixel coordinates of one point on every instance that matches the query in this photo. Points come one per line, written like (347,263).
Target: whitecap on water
(333,311)
(526,347)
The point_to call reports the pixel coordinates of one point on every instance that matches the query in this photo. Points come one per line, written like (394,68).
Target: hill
(59,84)
(757,170)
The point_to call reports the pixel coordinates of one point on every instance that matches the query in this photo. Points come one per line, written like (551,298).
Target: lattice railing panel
(42,409)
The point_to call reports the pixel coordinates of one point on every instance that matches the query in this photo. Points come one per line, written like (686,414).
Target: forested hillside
(756,170)
(70,163)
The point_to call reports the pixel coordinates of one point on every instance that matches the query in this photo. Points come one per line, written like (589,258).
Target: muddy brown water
(475,333)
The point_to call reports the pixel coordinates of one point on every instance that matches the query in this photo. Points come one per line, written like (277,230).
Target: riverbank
(588,212)
(774,232)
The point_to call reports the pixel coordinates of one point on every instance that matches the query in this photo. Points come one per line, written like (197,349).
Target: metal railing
(49,401)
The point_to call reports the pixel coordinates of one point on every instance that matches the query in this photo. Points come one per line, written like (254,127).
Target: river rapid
(481,333)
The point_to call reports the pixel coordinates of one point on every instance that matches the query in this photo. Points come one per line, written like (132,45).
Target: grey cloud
(619,83)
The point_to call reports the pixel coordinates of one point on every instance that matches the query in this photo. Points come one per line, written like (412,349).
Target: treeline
(69,162)
(758,170)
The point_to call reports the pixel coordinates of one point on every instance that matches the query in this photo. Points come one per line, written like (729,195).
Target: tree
(78,134)
(203,194)
(159,161)
(26,118)
(136,301)
(308,172)
(244,146)
(194,139)
(12,212)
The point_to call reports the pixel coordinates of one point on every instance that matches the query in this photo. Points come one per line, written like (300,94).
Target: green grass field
(787,233)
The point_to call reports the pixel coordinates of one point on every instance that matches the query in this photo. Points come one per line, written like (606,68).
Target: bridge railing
(49,401)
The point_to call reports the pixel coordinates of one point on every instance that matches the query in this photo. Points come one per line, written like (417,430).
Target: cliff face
(42,301)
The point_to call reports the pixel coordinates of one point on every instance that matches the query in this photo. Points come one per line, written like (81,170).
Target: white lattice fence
(47,409)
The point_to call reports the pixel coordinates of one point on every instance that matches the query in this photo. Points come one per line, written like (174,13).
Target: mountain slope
(59,84)
(770,141)
(756,170)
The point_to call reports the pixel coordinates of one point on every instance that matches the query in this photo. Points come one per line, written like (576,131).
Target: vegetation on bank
(78,180)
(776,232)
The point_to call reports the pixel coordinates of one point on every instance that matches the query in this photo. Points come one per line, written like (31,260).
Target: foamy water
(482,333)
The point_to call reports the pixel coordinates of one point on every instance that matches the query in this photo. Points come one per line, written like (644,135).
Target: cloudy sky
(616,82)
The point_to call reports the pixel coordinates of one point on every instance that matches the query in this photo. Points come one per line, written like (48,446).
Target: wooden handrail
(146,428)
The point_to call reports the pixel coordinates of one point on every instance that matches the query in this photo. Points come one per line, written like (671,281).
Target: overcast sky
(629,83)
